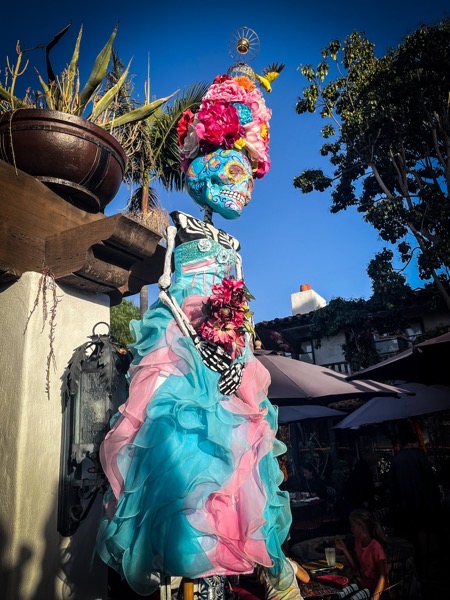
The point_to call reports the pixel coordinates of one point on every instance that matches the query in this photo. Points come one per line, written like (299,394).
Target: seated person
(369,561)
(290,593)
(312,484)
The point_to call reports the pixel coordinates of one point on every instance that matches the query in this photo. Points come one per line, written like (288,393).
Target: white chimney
(306,300)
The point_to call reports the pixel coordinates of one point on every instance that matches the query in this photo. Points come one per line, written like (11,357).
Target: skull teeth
(237,196)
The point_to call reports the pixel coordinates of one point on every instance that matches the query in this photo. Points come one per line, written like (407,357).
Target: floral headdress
(233,114)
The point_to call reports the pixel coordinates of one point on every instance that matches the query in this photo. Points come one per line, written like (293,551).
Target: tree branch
(380,181)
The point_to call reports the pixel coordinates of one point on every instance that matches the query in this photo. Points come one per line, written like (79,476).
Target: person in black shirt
(312,483)
(416,500)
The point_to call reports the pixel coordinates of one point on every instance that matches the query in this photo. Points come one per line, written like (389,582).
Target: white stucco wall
(30,436)
(304,302)
(330,350)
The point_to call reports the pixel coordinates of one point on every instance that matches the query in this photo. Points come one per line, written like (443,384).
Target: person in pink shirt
(369,560)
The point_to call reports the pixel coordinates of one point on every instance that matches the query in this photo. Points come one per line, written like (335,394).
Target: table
(314,589)
(307,503)
(321,589)
(400,557)
(313,549)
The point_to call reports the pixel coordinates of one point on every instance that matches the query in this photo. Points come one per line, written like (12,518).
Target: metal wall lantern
(94,385)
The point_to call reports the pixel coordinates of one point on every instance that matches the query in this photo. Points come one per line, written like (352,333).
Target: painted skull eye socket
(216,180)
(235,172)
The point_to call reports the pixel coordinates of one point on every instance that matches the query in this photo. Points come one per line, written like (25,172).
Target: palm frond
(134,203)
(164,139)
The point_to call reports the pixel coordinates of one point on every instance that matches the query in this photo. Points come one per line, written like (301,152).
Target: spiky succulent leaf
(109,96)
(98,72)
(138,114)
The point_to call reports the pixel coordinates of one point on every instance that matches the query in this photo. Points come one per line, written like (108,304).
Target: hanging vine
(46,287)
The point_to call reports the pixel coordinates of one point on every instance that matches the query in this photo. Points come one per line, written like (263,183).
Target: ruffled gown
(193,473)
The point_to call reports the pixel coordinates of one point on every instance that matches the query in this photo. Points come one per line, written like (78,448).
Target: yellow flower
(264,130)
(239,144)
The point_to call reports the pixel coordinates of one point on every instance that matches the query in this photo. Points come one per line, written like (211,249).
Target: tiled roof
(291,320)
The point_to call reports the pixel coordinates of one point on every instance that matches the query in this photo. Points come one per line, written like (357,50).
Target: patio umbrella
(426,362)
(298,383)
(427,399)
(290,414)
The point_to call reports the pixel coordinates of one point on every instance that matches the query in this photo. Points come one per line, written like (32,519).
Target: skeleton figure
(221,181)
(191,456)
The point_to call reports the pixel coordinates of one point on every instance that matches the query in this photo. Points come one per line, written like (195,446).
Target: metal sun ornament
(243,43)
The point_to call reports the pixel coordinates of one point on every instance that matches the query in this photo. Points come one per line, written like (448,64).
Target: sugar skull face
(222,180)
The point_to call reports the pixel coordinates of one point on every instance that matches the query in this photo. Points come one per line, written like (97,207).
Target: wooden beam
(19,248)
(66,251)
(85,285)
(92,252)
(29,205)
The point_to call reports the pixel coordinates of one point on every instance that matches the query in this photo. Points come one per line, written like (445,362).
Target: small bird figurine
(269,74)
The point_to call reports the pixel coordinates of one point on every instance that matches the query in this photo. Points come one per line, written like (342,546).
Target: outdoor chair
(403,577)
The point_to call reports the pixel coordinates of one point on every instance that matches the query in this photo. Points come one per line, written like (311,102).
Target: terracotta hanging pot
(78,160)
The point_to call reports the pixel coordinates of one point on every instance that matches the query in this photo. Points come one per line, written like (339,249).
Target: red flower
(183,125)
(221,78)
(218,123)
(226,314)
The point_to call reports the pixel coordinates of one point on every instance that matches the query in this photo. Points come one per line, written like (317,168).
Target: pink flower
(218,123)
(262,169)
(223,334)
(229,292)
(220,296)
(236,346)
(254,143)
(226,91)
(225,314)
(258,106)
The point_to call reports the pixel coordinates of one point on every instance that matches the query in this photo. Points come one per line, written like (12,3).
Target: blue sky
(287,238)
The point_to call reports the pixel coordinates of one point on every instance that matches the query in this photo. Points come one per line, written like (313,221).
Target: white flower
(191,142)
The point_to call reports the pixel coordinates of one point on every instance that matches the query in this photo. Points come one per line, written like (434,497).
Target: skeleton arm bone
(166,278)
(179,316)
(239,271)
(164,285)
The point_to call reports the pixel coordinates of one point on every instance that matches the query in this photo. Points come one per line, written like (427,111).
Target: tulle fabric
(193,474)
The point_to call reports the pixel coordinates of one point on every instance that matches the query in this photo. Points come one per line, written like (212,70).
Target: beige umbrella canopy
(426,399)
(291,414)
(426,362)
(296,383)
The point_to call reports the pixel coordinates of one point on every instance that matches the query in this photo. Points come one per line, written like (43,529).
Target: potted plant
(68,135)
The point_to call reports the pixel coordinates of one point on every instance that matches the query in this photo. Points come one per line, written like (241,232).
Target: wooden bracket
(91,252)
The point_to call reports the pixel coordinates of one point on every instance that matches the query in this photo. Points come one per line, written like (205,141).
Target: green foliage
(121,316)
(312,179)
(353,317)
(152,144)
(313,452)
(383,313)
(63,92)
(359,319)
(389,142)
